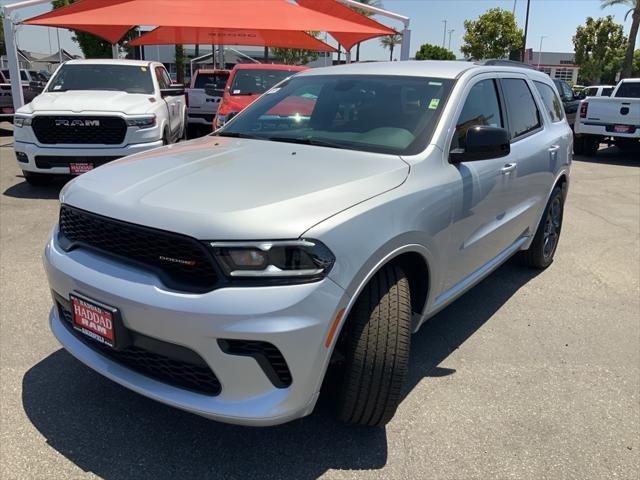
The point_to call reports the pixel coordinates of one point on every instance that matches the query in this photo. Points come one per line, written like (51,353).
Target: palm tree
(373,3)
(390,42)
(634,10)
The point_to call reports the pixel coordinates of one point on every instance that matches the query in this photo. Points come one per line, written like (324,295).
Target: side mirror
(174,90)
(482,143)
(212,90)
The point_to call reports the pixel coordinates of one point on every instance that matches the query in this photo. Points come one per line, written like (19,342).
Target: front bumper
(81,154)
(296,319)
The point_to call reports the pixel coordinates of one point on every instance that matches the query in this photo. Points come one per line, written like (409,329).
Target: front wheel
(543,248)
(591,145)
(377,336)
(36,179)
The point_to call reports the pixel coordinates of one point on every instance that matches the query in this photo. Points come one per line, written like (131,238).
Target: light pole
(450,32)
(542,37)
(444,34)
(514,8)
(526,28)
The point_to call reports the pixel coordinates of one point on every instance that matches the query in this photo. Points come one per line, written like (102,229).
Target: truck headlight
(22,121)
(283,261)
(142,122)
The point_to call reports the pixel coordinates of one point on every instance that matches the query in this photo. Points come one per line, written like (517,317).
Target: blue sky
(556,19)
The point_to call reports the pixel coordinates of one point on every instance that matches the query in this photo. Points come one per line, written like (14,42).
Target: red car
(246,83)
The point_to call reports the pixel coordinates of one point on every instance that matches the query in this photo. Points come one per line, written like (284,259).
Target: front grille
(77,130)
(182,263)
(266,354)
(54,161)
(167,367)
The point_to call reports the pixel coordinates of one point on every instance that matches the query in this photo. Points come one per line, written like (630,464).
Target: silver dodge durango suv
(320,227)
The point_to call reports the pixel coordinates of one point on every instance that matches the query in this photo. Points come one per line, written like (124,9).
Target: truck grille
(182,263)
(163,361)
(79,130)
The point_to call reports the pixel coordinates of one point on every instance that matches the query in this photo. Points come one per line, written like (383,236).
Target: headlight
(288,261)
(142,122)
(22,121)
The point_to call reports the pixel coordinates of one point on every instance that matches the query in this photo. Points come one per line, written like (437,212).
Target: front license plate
(93,320)
(621,128)
(80,168)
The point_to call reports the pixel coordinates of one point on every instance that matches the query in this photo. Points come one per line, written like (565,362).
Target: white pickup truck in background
(94,111)
(202,108)
(614,120)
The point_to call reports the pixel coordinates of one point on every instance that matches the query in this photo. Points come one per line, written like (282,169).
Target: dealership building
(555,64)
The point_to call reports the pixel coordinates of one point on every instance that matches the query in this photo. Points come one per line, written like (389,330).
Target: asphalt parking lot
(530,375)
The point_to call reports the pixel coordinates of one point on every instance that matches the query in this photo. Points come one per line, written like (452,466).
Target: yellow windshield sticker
(434,103)
(144,69)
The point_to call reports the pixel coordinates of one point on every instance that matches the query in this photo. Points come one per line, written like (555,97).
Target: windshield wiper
(306,141)
(240,135)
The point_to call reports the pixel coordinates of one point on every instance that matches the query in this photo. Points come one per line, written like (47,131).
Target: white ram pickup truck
(202,107)
(95,111)
(614,120)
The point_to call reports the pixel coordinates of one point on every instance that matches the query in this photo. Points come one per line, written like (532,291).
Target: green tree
(373,3)
(634,10)
(180,61)
(296,56)
(90,45)
(599,47)
(635,71)
(434,52)
(494,34)
(390,42)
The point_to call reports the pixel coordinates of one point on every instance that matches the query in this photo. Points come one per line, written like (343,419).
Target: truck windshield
(256,82)
(375,113)
(119,78)
(629,90)
(217,79)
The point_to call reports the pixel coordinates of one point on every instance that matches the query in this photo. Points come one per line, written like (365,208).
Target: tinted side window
(163,78)
(524,116)
(480,108)
(606,92)
(551,101)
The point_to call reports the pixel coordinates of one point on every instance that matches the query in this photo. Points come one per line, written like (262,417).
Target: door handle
(508,168)
(553,152)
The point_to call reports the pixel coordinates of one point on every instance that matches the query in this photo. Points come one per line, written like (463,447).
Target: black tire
(378,336)
(591,145)
(166,137)
(543,248)
(578,145)
(36,179)
(185,129)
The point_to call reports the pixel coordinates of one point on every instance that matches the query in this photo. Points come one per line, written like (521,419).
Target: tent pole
(406,43)
(347,56)
(12,57)
(114,51)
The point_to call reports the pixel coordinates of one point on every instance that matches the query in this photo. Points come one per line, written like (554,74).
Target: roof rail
(504,63)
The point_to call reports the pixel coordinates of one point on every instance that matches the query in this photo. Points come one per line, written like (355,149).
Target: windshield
(629,90)
(218,79)
(385,114)
(120,78)
(256,82)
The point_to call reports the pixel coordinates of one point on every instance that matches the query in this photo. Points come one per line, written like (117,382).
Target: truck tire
(591,145)
(578,144)
(36,179)
(378,336)
(543,248)
(166,137)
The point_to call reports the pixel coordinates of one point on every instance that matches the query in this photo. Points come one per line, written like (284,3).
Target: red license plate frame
(93,319)
(621,128)
(78,168)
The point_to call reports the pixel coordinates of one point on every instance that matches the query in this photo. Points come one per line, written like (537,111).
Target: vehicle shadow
(26,191)
(612,156)
(114,433)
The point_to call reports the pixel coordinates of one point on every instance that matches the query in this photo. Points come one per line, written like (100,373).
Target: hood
(219,188)
(79,101)
(236,103)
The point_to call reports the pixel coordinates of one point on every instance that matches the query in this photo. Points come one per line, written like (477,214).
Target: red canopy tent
(227,36)
(109,19)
